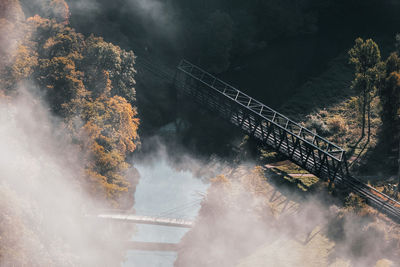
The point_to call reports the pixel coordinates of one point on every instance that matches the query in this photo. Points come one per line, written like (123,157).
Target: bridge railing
(281,121)
(140,219)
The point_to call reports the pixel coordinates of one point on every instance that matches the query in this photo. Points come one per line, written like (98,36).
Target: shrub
(337,125)
(324,113)
(268,156)
(354,104)
(315,122)
(354,202)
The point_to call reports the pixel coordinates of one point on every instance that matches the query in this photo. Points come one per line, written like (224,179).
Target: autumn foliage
(87,82)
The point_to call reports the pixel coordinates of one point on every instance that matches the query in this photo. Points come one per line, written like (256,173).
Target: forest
(74,86)
(88,85)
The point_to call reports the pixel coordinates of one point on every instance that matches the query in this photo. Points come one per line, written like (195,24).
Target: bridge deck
(133,218)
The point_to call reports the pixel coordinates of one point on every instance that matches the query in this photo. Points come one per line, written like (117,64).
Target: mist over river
(163,190)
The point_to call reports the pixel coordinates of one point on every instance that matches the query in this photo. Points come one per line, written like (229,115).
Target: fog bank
(43,200)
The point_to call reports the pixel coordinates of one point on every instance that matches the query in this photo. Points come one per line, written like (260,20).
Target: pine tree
(366,57)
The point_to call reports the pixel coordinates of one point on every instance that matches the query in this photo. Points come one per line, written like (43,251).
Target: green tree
(390,101)
(389,95)
(99,56)
(61,81)
(366,58)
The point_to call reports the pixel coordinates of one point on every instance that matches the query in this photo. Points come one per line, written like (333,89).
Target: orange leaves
(90,83)
(105,166)
(125,122)
(220,180)
(39,22)
(394,79)
(115,116)
(25,61)
(55,39)
(63,81)
(111,131)
(65,42)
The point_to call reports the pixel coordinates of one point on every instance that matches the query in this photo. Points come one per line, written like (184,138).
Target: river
(163,190)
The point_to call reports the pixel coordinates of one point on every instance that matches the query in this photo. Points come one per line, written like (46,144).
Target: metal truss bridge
(305,148)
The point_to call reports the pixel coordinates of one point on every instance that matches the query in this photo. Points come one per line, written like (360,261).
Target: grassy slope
(271,224)
(326,104)
(317,247)
(330,88)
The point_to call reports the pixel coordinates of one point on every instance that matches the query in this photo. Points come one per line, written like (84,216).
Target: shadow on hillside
(331,88)
(380,160)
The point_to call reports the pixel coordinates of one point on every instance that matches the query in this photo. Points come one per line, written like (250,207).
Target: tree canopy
(366,57)
(87,82)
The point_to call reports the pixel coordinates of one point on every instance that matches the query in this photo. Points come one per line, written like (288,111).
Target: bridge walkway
(152,220)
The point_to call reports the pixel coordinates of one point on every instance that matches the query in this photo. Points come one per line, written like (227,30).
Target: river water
(162,190)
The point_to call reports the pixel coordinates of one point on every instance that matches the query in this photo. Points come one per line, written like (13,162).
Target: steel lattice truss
(304,147)
(311,151)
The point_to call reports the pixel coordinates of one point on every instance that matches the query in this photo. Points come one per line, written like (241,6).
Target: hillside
(69,123)
(248,219)
(89,88)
